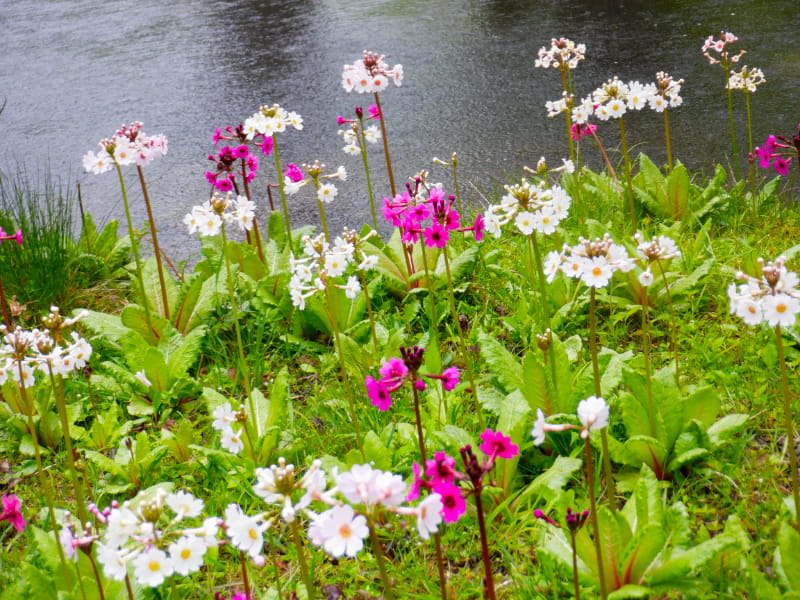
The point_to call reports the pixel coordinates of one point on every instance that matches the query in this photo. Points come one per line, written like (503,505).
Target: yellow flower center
(345,531)
(186,553)
(252,533)
(154,566)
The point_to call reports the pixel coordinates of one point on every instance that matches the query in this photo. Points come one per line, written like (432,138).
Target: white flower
(593,414)
(390,489)
(327,192)
(335,264)
(597,272)
(245,533)
(184,504)
(372,134)
(370,261)
(358,484)
(115,565)
(525,222)
(341,173)
(646,278)
(538,431)
(122,524)
(97,162)
(352,288)
(231,440)
(265,485)
(429,515)
(342,531)
(187,554)
(780,309)
(152,567)
(224,417)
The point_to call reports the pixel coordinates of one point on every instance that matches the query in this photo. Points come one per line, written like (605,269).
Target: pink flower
(393,369)
(441,469)
(435,236)
(497,445)
(479,227)
(378,393)
(453,502)
(781,166)
(11,512)
(293,172)
(450,378)
(374,112)
(417,484)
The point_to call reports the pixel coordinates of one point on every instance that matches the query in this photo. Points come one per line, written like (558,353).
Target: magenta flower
(441,468)
(453,502)
(293,172)
(479,227)
(497,445)
(378,393)
(393,369)
(11,512)
(17,237)
(435,236)
(450,378)
(417,484)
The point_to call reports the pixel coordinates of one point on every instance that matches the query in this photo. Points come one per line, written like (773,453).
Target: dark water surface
(73,71)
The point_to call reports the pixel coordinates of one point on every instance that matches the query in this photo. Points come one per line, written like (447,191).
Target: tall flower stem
(598,548)
(673,324)
(245,579)
(749,131)
(282,191)
(418,416)
(488,580)
(239,345)
(431,297)
(362,144)
(58,392)
(305,572)
(343,373)
(651,409)
(727,70)
(385,144)
(575,582)
(667,140)
(628,184)
(542,279)
(97,577)
(156,248)
(787,415)
(566,85)
(135,249)
(380,558)
(256,232)
(462,340)
(611,491)
(128,587)
(44,481)
(321,208)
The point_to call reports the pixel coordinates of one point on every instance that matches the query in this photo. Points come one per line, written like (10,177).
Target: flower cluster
(129,145)
(224,421)
(532,205)
(26,351)
(658,249)
(778,152)
(773,298)
(593,262)
(293,180)
(12,512)
(268,121)
(411,209)
(341,530)
(224,177)
(323,264)
(592,414)
(355,136)
(149,535)
(562,54)
(278,484)
(440,478)
(720,46)
(397,371)
(746,79)
(208,218)
(665,93)
(370,74)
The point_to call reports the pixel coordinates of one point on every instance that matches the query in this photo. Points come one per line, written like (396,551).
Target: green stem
(667,140)
(420,435)
(343,372)
(156,247)
(282,192)
(135,250)
(385,144)
(321,208)
(598,549)
(545,306)
(363,280)
(575,583)
(305,572)
(751,173)
(377,550)
(245,579)
(58,392)
(128,587)
(726,69)
(673,323)
(628,183)
(437,544)
(651,410)
(97,577)
(568,114)
(462,340)
(362,143)
(240,346)
(44,481)
(611,491)
(787,415)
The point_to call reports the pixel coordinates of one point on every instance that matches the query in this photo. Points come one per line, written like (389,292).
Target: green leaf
(689,562)
(184,352)
(551,482)
(630,591)
(502,363)
(725,428)
(377,452)
(152,286)
(648,451)
(787,557)
(641,552)
(703,405)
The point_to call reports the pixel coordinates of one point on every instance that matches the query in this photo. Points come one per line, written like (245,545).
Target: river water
(72,71)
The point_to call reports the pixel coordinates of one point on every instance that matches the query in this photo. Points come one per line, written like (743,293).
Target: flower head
(12,511)
(593,414)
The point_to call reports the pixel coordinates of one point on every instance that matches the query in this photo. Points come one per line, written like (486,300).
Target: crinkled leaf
(725,428)
(787,557)
(504,365)
(682,565)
